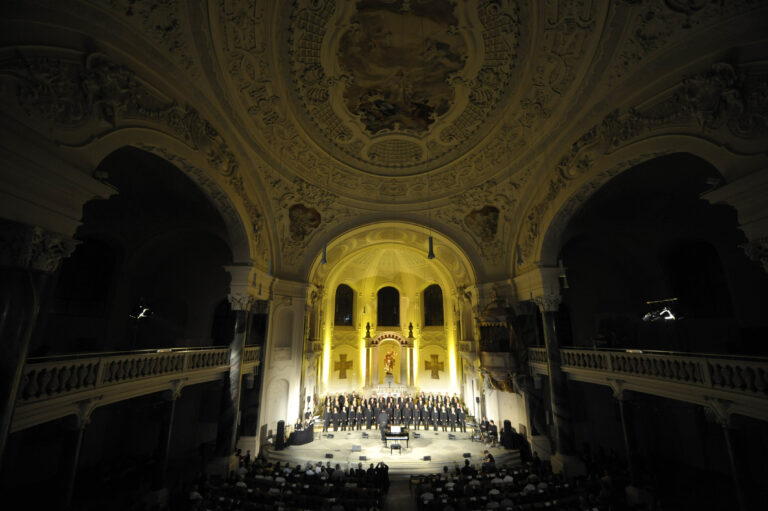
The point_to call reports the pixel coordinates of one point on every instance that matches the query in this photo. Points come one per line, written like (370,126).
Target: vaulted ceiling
(488,121)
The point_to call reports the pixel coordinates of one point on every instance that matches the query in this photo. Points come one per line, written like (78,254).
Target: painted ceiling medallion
(398,87)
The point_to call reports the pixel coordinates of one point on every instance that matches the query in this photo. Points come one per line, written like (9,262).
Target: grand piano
(396,434)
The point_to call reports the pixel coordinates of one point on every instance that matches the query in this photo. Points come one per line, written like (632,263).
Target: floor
(348,448)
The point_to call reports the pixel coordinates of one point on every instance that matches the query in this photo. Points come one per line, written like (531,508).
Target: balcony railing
(692,377)
(50,387)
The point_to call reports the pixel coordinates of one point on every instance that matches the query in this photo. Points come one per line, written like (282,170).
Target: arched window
(388,307)
(433,306)
(345,299)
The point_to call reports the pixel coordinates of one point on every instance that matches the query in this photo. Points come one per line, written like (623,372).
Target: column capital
(548,302)
(239,293)
(33,248)
(241,301)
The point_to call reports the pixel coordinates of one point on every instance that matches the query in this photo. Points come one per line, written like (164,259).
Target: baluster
(91,378)
(82,372)
(749,379)
(737,381)
(33,385)
(120,370)
(727,377)
(53,386)
(140,363)
(72,384)
(64,375)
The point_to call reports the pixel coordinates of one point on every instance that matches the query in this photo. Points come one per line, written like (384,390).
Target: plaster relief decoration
(483,222)
(303,221)
(392,84)
(434,365)
(727,101)
(657,24)
(74,99)
(162,21)
(342,365)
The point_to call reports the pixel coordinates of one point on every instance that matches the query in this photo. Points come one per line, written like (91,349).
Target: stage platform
(409,460)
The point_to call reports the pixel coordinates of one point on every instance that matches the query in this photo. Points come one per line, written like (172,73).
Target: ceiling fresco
(396,87)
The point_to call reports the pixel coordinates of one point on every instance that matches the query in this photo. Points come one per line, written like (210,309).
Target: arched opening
(388,307)
(141,247)
(344,311)
(433,306)
(647,240)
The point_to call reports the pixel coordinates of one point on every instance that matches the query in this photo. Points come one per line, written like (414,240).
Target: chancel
(509,253)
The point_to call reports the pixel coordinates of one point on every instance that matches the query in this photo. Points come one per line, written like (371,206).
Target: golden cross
(341,366)
(435,366)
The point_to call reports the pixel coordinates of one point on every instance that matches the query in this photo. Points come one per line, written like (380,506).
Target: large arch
(390,254)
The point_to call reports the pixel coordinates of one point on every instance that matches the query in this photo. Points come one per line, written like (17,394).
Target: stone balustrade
(739,382)
(537,355)
(252,356)
(53,387)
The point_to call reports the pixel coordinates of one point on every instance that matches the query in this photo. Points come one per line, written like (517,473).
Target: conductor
(382,419)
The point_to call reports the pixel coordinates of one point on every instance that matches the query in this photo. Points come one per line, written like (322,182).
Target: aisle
(399,497)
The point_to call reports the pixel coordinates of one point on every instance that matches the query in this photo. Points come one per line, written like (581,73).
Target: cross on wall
(341,366)
(435,366)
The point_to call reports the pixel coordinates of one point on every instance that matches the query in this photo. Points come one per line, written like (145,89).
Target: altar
(389,363)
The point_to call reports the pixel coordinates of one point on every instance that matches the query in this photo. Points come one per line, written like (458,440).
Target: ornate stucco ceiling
(488,121)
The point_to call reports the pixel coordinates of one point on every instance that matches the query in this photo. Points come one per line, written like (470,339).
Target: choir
(353,411)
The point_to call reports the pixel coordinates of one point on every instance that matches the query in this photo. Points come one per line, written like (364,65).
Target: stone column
(625,414)
(368,366)
(563,460)
(375,371)
(411,377)
(226,435)
(166,435)
(71,448)
(28,257)
(720,409)
(403,366)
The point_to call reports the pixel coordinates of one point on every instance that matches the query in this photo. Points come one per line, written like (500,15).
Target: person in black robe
(396,415)
(444,418)
(368,415)
(336,419)
(434,416)
(407,415)
(462,419)
(452,418)
(382,420)
(344,418)
(327,418)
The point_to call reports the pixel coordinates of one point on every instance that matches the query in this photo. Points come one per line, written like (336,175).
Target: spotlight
(141,312)
(662,314)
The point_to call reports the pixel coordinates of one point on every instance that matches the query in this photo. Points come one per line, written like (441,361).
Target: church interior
(216,214)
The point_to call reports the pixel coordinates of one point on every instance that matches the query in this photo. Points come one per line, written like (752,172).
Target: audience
(259,484)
